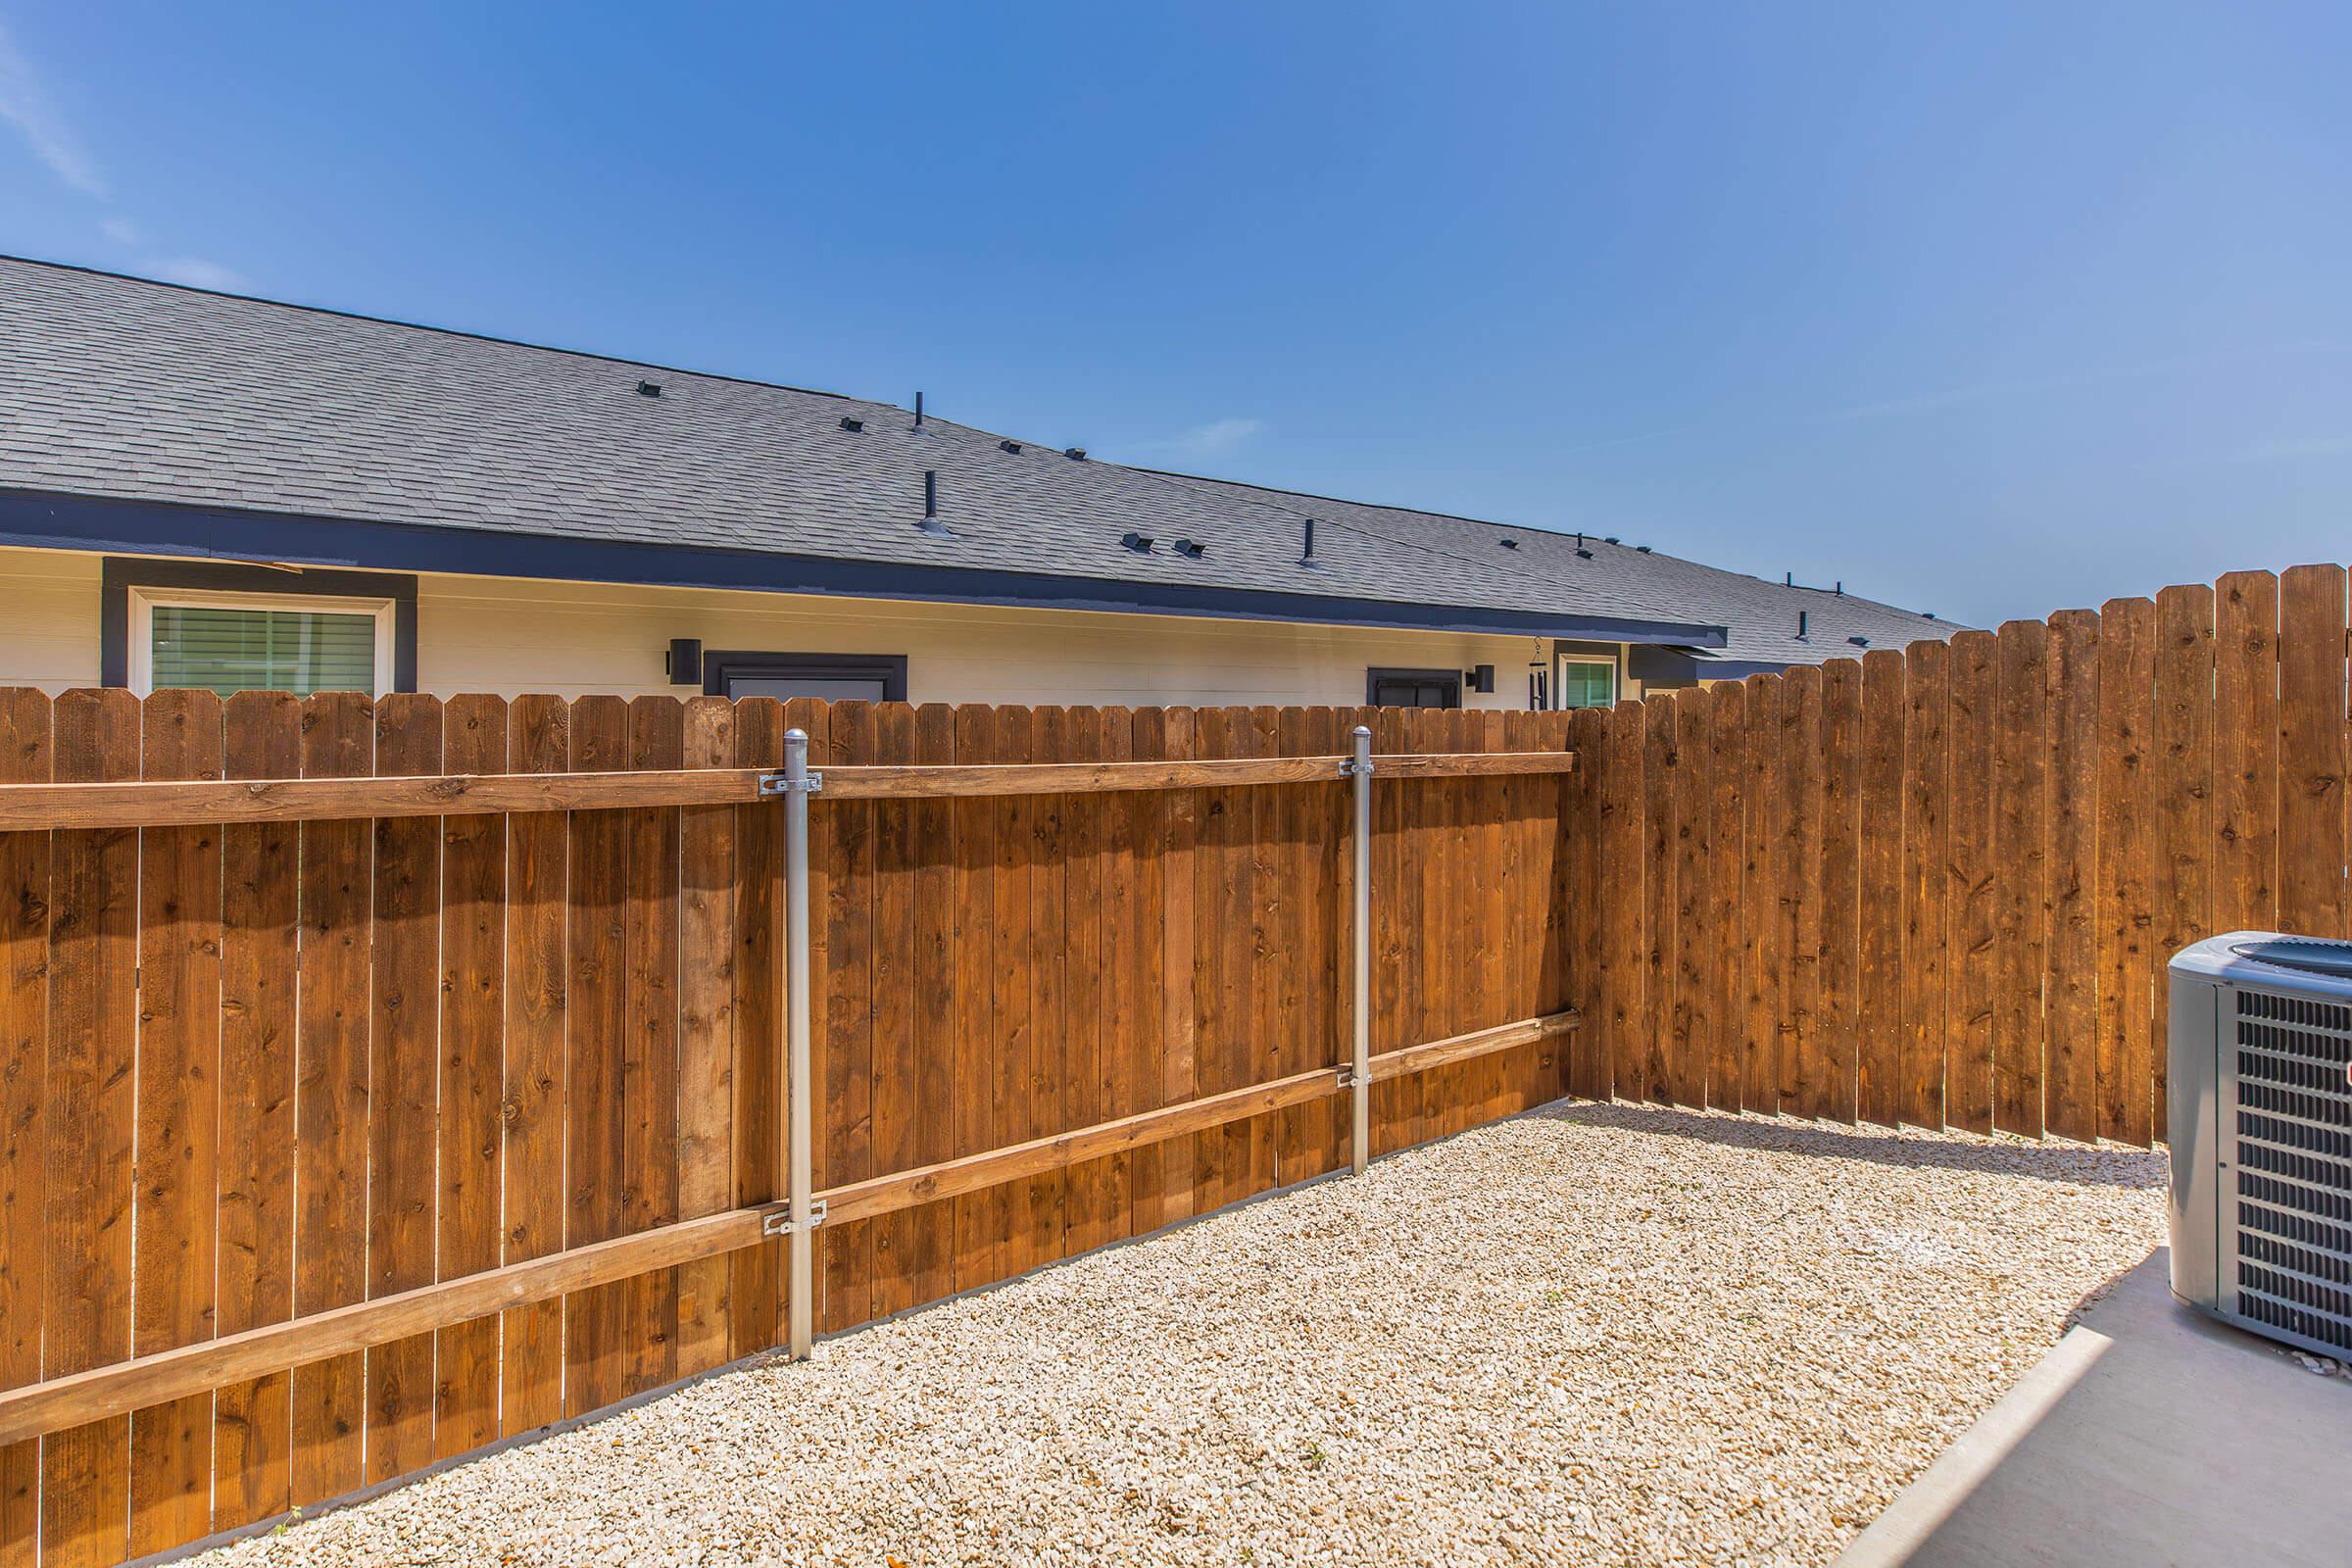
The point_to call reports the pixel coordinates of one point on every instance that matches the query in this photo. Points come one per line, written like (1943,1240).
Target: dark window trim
(1450,678)
(719,665)
(48,521)
(119,575)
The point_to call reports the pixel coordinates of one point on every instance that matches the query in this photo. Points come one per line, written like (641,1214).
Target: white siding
(512,635)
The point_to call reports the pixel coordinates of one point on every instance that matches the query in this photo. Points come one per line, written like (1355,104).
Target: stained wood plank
(896,1144)
(166,804)
(1625,907)
(1727,776)
(2184,796)
(532,1130)
(260,960)
(756,1282)
(473,1004)
(596,1173)
(1662,790)
(2127,919)
(1837,1036)
(2311,753)
(931,1254)
(1692,1032)
(25,904)
(1284,817)
(1762,897)
(1879,1029)
(404,1047)
(1972,882)
(1126,1062)
(1008,1214)
(1804,1089)
(1163,825)
(1087,1186)
(2021,908)
(177,1169)
(1396,934)
(979,1232)
(1586,946)
(2070,984)
(707,947)
(649,1062)
(844,1054)
(2245,758)
(1221,956)
(1927,883)
(333,1098)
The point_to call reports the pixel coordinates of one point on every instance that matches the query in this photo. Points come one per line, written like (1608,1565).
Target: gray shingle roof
(125,389)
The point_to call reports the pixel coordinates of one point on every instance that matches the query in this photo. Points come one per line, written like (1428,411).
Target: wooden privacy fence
(1940,885)
(382,1079)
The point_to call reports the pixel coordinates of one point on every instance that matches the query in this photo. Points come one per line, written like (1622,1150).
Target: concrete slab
(2150,1434)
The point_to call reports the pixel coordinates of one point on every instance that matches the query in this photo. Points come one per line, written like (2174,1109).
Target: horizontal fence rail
(444,1045)
(43,807)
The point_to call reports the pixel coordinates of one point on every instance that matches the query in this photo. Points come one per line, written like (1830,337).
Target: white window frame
(144,602)
(1559,677)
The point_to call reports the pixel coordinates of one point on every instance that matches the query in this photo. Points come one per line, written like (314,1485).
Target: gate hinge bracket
(785,784)
(1349,767)
(780,1224)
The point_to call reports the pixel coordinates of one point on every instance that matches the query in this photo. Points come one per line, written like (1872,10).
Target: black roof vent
(648,389)
(1508,544)
(1640,550)
(1611,540)
(853,425)
(1009,446)
(1140,543)
(1859,642)
(1191,549)
(1582,553)
(933,523)
(1076,453)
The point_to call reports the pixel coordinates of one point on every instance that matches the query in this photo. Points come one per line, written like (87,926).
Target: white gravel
(1595,1335)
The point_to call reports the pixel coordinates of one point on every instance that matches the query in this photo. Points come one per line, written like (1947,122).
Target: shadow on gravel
(2078,1163)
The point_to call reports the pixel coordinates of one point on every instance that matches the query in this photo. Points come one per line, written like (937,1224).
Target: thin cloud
(122,231)
(1211,440)
(196,273)
(25,104)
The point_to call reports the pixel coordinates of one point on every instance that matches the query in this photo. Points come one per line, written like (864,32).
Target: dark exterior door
(1416,688)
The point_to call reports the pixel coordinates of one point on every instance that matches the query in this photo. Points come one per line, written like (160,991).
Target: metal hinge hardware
(1349,767)
(785,784)
(781,1224)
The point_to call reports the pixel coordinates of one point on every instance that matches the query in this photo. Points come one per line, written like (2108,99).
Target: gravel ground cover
(1599,1333)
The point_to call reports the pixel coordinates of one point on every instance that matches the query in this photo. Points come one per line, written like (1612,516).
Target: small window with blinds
(241,643)
(1588,682)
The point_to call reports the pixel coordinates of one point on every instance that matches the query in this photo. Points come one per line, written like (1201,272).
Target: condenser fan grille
(2294,1162)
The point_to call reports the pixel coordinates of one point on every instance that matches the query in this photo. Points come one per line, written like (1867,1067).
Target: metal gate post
(1360,1074)
(799,1182)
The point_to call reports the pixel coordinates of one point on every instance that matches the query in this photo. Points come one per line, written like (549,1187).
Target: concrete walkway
(2149,1436)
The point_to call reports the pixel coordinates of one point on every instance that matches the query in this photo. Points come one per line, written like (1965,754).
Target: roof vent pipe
(918,411)
(1841,590)
(1800,623)
(1306,557)
(932,523)
(1788,580)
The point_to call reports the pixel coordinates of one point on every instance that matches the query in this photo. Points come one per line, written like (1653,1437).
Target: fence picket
(2184,796)
(2311,756)
(1837,1036)
(1879,1089)
(2126,906)
(1973,885)
(2020,912)
(2070,1006)
(1926,889)
(2245,758)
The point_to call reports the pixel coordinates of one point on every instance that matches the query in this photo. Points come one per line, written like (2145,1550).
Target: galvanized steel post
(1361,1075)
(799,1181)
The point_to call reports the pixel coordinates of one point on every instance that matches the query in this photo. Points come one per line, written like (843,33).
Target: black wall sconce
(1481,679)
(685,661)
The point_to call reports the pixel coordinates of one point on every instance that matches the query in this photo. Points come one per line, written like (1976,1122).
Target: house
(201,489)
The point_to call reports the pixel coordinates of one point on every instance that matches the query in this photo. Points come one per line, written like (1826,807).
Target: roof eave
(48,520)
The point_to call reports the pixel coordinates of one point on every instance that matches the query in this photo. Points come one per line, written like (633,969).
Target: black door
(1416,688)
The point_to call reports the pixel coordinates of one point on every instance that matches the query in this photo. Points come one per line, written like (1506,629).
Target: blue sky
(1987,312)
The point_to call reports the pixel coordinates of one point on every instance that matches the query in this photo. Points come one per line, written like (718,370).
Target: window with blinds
(1588,683)
(231,649)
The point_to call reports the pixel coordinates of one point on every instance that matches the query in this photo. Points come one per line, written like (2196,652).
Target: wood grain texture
(1926,882)
(2310,751)
(756,1282)
(1764,896)
(844,1064)
(2020,910)
(331,1099)
(532,1113)
(1836,1034)
(2183,794)
(648,1061)
(1970,883)
(1878,1023)
(2127,916)
(2245,758)
(178,1093)
(2070,982)
(1661,784)
(707,945)
(1690,1028)
(404,1049)
(26,757)
(473,1005)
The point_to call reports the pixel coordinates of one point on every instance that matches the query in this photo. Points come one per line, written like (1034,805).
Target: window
(1586,683)
(829,677)
(1414,688)
(230,628)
